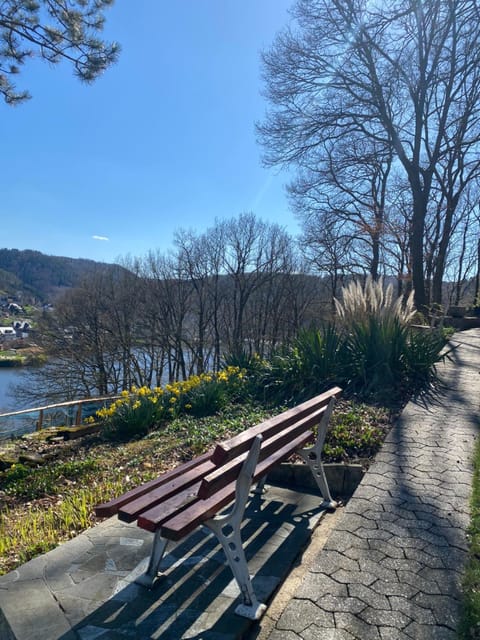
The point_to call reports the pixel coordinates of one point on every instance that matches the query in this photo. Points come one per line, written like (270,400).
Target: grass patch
(470,622)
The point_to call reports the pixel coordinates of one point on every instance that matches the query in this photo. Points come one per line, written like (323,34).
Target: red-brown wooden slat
(171,507)
(183,523)
(237,445)
(222,475)
(111,508)
(129,511)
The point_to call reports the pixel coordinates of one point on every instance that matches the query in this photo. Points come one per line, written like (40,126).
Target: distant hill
(33,276)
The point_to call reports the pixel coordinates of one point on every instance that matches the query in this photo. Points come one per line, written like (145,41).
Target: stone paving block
(418,631)
(354,577)
(449,582)
(373,534)
(314,632)
(454,559)
(331,561)
(389,633)
(283,635)
(394,588)
(412,609)
(402,564)
(299,615)
(382,617)
(445,609)
(379,570)
(424,558)
(360,629)
(356,553)
(386,548)
(341,540)
(315,586)
(346,603)
(369,596)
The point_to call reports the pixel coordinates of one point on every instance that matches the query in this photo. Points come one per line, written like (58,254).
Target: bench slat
(110,508)
(130,511)
(224,474)
(200,510)
(171,507)
(237,445)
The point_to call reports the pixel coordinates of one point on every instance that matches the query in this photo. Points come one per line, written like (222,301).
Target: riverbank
(22,355)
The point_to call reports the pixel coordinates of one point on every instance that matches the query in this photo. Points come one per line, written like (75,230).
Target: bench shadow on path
(198,577)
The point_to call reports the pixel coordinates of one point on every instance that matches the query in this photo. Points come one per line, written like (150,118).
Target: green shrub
(383,358)
(255,371)
(373,355)
(425,351)
(299,371)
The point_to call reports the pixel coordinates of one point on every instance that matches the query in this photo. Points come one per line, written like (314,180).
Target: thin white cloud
(103,238)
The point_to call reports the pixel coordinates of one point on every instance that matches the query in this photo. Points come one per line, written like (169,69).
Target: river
(10,377)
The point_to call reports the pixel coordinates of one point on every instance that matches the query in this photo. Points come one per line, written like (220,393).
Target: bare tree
(328,244)
(254,252)
(405,73)
(79,338)
(349,182)
(195,253)
(169,301)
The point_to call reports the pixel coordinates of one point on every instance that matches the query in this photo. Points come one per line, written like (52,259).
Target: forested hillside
(36,277)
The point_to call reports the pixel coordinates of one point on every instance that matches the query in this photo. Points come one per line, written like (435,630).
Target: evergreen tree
(53,30)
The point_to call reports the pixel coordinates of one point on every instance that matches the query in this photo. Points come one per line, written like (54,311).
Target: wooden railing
(69,413)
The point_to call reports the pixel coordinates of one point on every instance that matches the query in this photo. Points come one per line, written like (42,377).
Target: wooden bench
(177,502)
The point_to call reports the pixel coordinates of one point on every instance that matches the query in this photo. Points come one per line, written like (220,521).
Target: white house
(7,333)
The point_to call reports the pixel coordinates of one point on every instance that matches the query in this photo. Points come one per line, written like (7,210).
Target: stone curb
(342,479)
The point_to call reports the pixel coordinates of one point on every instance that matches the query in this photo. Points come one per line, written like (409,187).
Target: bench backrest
(241,443)
(282,435)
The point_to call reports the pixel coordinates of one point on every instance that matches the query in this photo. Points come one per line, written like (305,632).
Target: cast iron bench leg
(148,578)
(227,530)
(313,457)
(260,488)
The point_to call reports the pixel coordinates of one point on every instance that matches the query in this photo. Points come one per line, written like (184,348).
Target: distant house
(22,328)
(13,307)
(7,333)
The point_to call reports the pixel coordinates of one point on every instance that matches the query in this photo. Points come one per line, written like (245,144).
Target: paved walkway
(391,569)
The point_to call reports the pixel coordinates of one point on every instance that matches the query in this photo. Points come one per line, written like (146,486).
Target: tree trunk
(476,295)
(416,251)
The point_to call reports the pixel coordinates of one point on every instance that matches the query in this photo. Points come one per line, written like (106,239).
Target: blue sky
(164,140)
